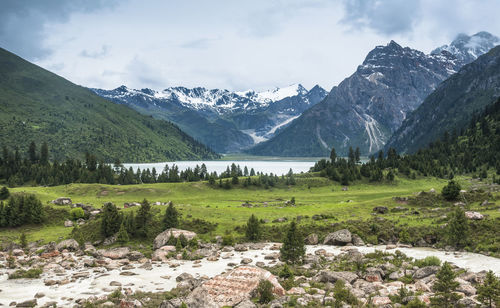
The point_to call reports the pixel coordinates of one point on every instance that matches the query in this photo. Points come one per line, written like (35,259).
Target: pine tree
(489,291)
(143,219)
(444,288)
(253,229)
(293,249)
(32,152)
(44,154)
(458,228)
(23,241)
(4,193)
(111,220)
(171,218)
(333,155)
(451,191)
(122,236)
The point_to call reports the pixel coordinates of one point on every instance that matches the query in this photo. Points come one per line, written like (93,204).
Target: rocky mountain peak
(467,48)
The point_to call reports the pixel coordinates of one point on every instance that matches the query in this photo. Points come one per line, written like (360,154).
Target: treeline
(34,168)
(347,170)
(474,150)
(21,209)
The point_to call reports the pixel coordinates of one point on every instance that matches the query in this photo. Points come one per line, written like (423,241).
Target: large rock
(62,201)
(357,240)
(341,237)
(161,253)
(329,276)
(70,244)
(162,238)
(474,215)
(425,271)
(115,253)
(232,288)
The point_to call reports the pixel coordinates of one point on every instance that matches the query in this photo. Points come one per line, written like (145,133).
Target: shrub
(31,273)
(451,191)
(111,220)
(122,236)
(171,218)
(77,213)
(227,239)
(428,261)
(286,272)
(342,294)
(22,240)
(265,291)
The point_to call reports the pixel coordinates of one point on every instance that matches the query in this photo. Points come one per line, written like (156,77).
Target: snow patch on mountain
(275,95)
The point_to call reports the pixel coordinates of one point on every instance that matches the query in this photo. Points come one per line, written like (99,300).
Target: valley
(249,155)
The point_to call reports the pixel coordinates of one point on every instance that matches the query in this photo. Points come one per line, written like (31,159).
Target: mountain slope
(451,106)
(224,120)
(367,107)
(37,105)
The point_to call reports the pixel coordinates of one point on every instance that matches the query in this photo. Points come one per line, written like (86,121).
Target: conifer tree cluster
(21,209)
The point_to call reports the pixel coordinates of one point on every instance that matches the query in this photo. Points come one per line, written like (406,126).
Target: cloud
(22,22)
(201,43)
(144,75)
(95,54)
(387,17)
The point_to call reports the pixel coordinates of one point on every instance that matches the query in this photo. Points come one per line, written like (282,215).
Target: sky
(231,44)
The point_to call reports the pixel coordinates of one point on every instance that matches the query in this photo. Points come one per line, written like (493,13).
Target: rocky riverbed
(71,276)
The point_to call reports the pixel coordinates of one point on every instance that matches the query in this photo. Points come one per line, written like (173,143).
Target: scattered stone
(281,219)
(357,240)
(39,295)
(240,247)
(68,223)
(381,300)
(128,273)
(115,284)
(246,261)
(380,209)
(161,253)
(329,276)
(312,239)
(28,303)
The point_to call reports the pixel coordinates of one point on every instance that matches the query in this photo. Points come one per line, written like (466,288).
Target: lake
(278,167)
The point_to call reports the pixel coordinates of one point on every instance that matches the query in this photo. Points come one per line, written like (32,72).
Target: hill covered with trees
(36,104)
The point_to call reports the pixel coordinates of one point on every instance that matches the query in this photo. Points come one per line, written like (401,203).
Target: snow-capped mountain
(226,121)
(467,48)
(367,107)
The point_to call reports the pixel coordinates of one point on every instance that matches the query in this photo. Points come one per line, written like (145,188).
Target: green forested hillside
(37,105)
(451,105)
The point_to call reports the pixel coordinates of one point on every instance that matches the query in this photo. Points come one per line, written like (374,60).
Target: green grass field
(314,195)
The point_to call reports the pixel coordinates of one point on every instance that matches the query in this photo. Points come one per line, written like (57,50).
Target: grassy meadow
(314,196)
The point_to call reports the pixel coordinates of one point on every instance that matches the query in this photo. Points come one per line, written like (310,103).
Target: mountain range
(225,121)
(366,108)
(452,105)
(37,105)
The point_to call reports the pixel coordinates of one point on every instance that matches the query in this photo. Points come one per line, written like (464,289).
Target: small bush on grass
(428,261)
(265,291)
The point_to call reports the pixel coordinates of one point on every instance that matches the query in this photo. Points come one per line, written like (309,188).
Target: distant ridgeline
(35,169)
(474,150)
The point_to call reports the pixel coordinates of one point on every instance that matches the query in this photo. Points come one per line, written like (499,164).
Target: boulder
(115,253)
(381,301)
(232,288)
(474,215)
(425,271)
(68,223)
(245,304)
(341,237)
(240,247)
(329,276)
(380,209)
(357,240)
(62,201)
(162,238)
(161,253)
(110,240)
(70,244)
(311,239)
(28,303)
